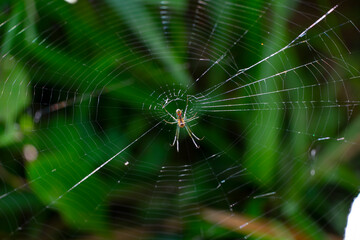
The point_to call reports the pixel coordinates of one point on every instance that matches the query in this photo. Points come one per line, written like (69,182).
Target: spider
(182,123)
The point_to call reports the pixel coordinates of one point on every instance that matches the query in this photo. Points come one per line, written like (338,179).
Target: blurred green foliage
(109,62)
(14,98)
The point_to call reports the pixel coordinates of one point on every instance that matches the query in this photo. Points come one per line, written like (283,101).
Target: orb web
(86,145)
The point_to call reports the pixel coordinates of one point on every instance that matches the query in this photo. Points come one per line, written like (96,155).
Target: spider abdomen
(181,122)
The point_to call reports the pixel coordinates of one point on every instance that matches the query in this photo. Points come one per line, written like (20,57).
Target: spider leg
(169,122)
(192,118)
(187,103)
(200,139)
(176,139)
(169,113)
(191,136)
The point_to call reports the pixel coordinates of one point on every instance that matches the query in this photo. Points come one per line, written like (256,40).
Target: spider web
(86,149)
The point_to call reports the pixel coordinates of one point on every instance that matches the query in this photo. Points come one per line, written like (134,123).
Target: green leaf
(14,97)
(55,173)
(146,28)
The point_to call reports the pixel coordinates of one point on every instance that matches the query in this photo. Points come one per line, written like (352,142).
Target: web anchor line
(107,161)
(226,52)
(257,81)
(241,71)
(87,176)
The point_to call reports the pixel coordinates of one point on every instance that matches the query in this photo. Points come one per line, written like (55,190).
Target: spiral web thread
(263,76)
